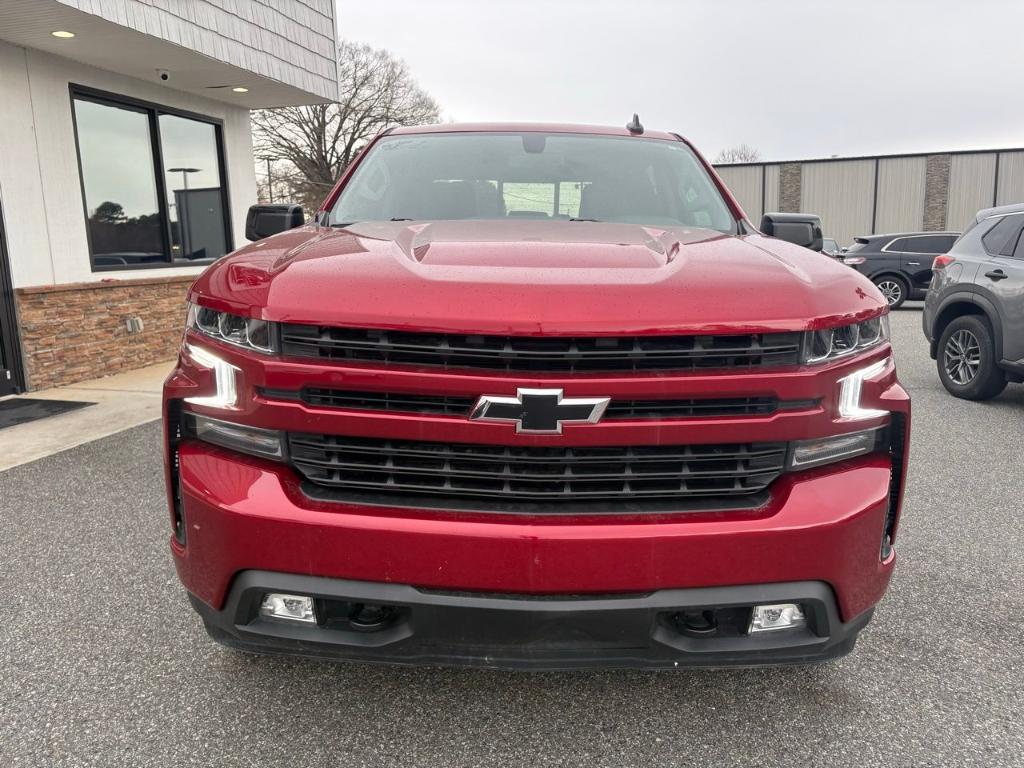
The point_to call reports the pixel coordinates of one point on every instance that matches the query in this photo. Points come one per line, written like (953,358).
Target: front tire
(894,289)
(967,360)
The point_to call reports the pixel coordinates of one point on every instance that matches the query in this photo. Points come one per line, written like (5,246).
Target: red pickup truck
(534,396)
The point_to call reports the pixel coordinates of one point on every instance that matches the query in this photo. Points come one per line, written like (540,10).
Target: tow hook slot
(368,617)
(696,623)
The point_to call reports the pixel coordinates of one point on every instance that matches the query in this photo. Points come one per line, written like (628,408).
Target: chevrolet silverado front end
(540,397)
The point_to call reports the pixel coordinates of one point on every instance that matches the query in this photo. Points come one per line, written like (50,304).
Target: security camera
(164,74)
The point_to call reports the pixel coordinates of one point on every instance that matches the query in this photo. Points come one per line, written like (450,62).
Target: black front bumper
(534,632)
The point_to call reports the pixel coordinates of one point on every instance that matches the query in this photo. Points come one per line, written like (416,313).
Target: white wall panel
(971,183)
(293,41)
(901,185)
(841,192)
(771,190)
(744,181)
(1011,178)
(21,186)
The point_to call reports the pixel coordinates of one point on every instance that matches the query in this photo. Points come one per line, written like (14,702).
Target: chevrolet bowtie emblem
(539,410)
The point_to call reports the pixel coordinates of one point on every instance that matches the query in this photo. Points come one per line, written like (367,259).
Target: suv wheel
(894,289)
(967,360)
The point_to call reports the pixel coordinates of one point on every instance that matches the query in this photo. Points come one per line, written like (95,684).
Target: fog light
(813,453)
(237,437)
(765,618)
(288,607)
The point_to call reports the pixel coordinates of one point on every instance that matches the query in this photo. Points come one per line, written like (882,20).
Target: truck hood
(536,277)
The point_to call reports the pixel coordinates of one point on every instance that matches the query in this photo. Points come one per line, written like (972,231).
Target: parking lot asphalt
(102,662)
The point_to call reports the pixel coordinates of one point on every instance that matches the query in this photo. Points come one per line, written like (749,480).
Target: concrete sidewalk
(121,401)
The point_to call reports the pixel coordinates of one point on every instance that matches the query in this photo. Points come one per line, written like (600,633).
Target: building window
(195,194)
(153,184)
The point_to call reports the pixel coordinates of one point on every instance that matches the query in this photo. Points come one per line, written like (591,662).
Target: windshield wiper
(343,224)
(572,218)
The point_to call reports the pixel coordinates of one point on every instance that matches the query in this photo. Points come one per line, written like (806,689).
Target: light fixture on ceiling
(62,34)
(240,89)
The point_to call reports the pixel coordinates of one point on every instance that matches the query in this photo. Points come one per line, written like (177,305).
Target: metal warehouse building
(889,193)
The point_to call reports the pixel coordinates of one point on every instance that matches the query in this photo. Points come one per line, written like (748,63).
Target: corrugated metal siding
(1011,178)
(771,189)
(292,41)
(900,204)
(841,193)
(744,181)
(971,183)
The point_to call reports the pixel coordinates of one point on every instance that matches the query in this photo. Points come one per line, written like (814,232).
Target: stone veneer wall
(936,192)
(790,183)
(74,332)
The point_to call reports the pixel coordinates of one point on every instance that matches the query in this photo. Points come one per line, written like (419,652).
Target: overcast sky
(793,78)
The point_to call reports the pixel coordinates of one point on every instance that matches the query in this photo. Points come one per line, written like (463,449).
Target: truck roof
(597,130)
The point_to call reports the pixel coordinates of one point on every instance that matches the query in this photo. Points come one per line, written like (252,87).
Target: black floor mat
(20,410)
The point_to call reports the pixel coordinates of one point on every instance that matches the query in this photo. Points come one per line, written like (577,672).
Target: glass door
(10,360)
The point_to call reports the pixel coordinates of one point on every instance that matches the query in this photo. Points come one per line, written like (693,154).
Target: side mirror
(266,220)
(797,228)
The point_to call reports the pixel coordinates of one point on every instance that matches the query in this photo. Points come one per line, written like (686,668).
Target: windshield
(567,177)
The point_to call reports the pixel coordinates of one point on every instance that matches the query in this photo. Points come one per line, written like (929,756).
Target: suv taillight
(943,260)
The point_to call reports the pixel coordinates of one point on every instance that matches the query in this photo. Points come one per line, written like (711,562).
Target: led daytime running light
(850,388)
(224,373)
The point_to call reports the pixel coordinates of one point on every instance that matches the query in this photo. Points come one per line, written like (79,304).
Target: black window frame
(910,240)
(1009,244)
(153,112)
(890,247)
(941,236)
(1018,249)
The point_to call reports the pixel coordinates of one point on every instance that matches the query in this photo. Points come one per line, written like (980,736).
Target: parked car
(831,247)
(974,313)
(628,429)
(900,265)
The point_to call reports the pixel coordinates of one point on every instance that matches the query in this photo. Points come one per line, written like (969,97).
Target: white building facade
(126,164)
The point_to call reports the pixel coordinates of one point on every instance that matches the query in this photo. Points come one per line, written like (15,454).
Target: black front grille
(543,353)
(387,401)
(506,474)
(460,406)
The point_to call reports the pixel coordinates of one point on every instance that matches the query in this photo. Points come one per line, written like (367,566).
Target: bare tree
(310,146)
(741,153)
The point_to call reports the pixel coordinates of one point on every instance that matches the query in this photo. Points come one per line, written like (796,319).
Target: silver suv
(974,310)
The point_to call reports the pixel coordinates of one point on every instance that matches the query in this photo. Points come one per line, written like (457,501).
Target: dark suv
(900,265)
(974,313)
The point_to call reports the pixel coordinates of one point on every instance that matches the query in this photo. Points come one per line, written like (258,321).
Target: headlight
(245,332)
(831,343)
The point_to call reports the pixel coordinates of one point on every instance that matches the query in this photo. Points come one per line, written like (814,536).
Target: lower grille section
(551,476)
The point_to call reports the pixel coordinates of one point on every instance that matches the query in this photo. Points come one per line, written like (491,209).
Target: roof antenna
(634,126)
